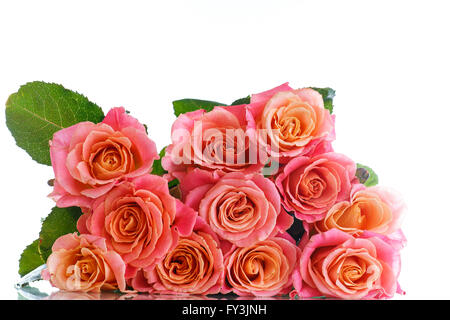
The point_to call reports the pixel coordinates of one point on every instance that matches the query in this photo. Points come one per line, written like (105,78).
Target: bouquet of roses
(249,198)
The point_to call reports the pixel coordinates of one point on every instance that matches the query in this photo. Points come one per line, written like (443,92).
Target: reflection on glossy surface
(32,293)
(64,295)
(170,297)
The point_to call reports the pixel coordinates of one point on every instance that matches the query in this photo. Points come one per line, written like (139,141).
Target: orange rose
(90,159)
(289,122)
(83,263)
(262,269)
(194,266)
(373,209)
(335,264)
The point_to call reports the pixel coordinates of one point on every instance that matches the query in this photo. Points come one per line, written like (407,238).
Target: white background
(387,60)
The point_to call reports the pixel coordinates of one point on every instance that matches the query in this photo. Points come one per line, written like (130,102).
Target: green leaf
(39,109)
(327,95)
(159,170)
(30,293)
(173,183)
(30,258)
(188,105)
(59,222)
(366,175)
(245,100)
(157,166)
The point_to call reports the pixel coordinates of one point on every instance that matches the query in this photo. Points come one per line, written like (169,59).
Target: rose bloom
(311,186)
(241,209)
(194,266)
(375,209)
(289,122)
(264,268)
(213,141)
(140,220)
(335,264)
(90,159)
(84,263)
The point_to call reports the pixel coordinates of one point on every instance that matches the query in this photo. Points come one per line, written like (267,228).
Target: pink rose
(375,209)
(194,266)
(84,263)
(263,269)
(90,159)
(289,123)
(241,209)
(140,220)
(311,186)
(335,264)
(213,141)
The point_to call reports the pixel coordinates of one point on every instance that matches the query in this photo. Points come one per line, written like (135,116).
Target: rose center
(226,146)
(187,262)
(253,267)
(110,159)
(126,224)
(83,270)
(290,128)
(260,268)
(353,217)
(235,208)
(315,186)
(351,273)
(311,186)
(294,121)
(181,264)
(86,270)
(214,150)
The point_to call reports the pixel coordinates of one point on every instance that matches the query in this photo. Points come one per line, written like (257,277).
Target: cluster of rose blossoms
(223,228)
